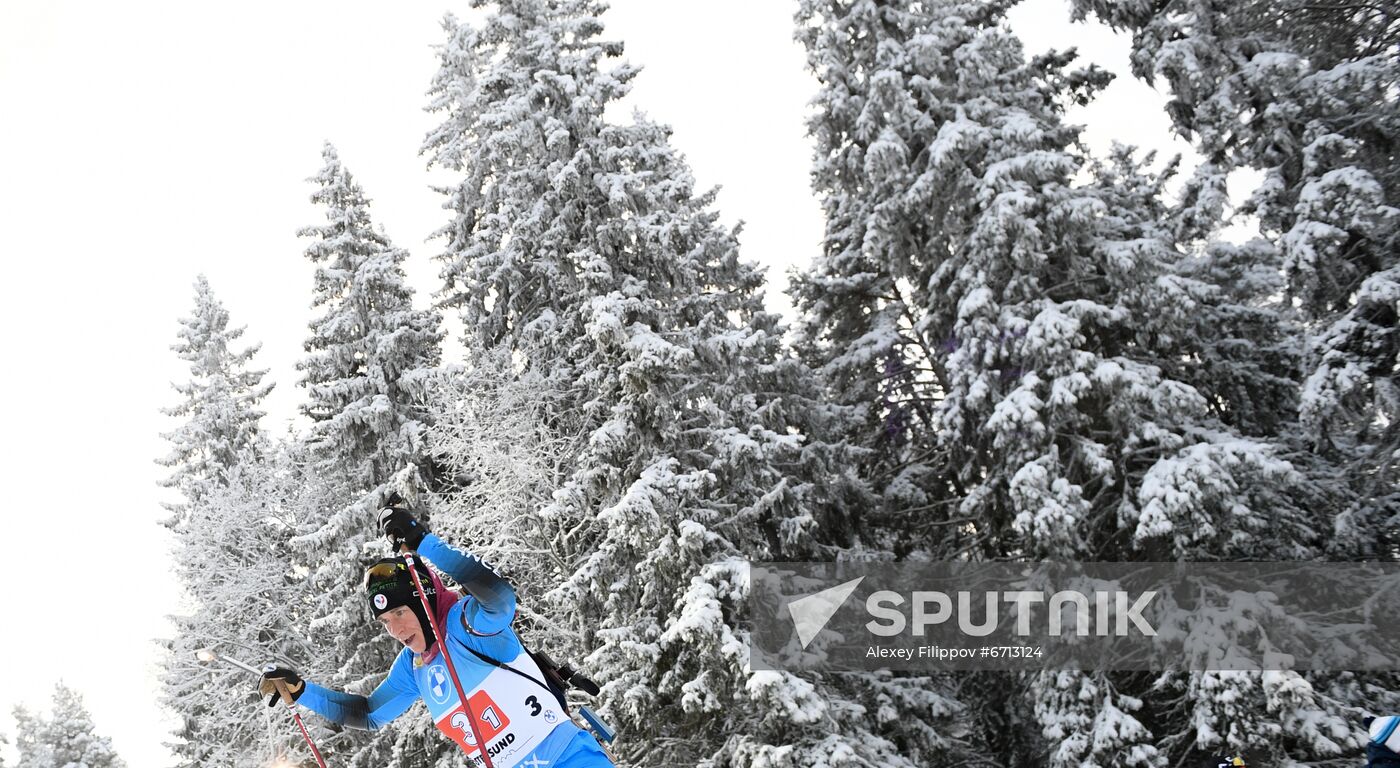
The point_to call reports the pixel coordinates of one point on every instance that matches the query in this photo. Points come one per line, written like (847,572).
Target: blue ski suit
(520,719)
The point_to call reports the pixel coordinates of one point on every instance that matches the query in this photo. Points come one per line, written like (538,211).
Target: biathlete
(521,719)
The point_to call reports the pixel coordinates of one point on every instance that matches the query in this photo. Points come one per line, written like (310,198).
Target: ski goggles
(390,576)
(385,571)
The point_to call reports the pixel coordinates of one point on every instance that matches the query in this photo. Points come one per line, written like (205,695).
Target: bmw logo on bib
(438,684)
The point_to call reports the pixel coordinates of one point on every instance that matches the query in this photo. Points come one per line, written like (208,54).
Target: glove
(401,528)
(290,680)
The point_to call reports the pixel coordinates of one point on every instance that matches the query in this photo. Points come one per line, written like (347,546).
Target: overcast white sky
(142,143)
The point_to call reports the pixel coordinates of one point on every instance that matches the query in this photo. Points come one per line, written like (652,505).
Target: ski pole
(207,655)
(446,657)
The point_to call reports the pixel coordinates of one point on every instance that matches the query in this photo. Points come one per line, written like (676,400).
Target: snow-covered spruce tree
(1035,324)
(246,600)
(219,408)
(370,353)
(580,252)
(1032,354)
(1305,93)
(65,738)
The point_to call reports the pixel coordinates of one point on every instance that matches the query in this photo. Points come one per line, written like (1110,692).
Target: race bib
(513,715)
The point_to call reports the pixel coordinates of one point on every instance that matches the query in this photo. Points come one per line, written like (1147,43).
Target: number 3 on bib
(509,722)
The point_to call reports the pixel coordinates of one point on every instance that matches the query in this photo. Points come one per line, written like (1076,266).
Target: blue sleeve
(493,606)
(390,699)
(345,709)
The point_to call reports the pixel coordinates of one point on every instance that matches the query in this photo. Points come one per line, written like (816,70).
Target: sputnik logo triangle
(811,613)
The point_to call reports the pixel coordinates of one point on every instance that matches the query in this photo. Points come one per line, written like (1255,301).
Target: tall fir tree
(371,358)
(219,439)
(1034,367)
(580,254)
(65,738)
(219,408)
(1019,346)
(1304,93)
(370,354)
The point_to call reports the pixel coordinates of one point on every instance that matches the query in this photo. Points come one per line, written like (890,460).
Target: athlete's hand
(401,528)
(290,680)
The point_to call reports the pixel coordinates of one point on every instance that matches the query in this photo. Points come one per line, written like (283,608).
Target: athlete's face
(402,623)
